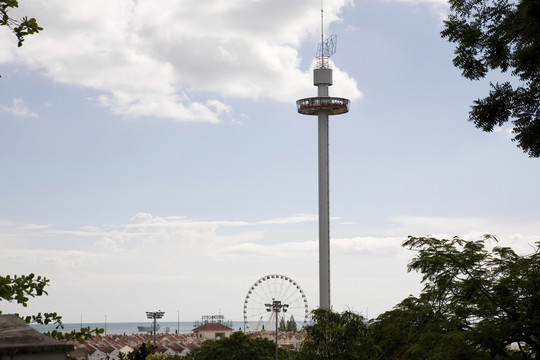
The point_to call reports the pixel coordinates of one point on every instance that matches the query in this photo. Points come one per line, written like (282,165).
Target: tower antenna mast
(326,48)
(322,24)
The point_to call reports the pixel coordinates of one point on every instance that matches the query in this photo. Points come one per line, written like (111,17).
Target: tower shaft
(322,78)
(323,106)
(324,213)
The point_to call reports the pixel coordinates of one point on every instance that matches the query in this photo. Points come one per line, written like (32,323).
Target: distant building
(18,341)
(110,346)
(212,331)
(286,339)
(125,350)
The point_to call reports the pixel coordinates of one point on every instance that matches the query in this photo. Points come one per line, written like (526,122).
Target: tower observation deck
(323,105)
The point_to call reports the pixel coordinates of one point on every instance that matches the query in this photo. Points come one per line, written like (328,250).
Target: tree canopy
(20,288)
(415,330)
(344,336)
(143,352)
(503,35)
(239,346)
(21,27)
(291,324)
(477,303)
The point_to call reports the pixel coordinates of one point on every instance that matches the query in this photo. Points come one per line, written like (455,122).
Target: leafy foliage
(504,35)
(291,324)
(282,325)
(414,330)
(20,28)
(20,288)
(239,346)
(144,351)
(483,300)
(344,336)
(160,357)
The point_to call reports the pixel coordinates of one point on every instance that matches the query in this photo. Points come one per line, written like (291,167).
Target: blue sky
(151,156)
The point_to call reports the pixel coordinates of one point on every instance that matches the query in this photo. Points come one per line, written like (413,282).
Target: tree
(490,298)
(504,35)
(239,346)
(282,325)
(146,349)
(20,288)
(414,330)
(157,357)
(20,28)
(164,357)
(343,336)
(291,324)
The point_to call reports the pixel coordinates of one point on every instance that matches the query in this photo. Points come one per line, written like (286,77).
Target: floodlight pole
(276,306)
(155,315)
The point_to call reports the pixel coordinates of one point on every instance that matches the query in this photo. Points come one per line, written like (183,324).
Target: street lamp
(155,315)
(276,306)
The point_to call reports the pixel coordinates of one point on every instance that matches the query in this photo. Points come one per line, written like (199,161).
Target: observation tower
(323,106)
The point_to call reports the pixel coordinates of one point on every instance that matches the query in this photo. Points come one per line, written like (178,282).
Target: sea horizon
(130,328)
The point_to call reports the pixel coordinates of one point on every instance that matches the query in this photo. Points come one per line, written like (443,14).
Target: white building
(210,331)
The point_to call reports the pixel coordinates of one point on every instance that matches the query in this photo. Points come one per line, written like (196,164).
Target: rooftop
(16,337)
(212,327)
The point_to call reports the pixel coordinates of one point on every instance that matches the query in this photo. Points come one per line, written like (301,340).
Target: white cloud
(250,251)
(292,219)
(19,109)
(519,235)
(176,60)
(434,2)
(368,246)
(8,41)
(508,131)
(438,7)
(220,258)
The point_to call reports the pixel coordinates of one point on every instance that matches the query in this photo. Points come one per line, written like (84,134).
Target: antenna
(322,24)
(327,47)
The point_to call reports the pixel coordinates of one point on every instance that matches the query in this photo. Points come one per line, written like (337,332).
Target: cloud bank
(177,60)
(108,267)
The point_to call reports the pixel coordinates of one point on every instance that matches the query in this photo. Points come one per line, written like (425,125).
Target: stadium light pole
(276,306)
(155,315)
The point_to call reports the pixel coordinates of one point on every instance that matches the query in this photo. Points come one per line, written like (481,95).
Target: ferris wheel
(269,289)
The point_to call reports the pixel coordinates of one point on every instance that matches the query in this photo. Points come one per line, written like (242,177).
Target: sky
(152,158)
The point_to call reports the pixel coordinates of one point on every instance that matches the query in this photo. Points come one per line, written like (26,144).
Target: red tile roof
(212,327)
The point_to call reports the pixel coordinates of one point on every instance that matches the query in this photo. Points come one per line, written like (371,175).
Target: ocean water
(129,328)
